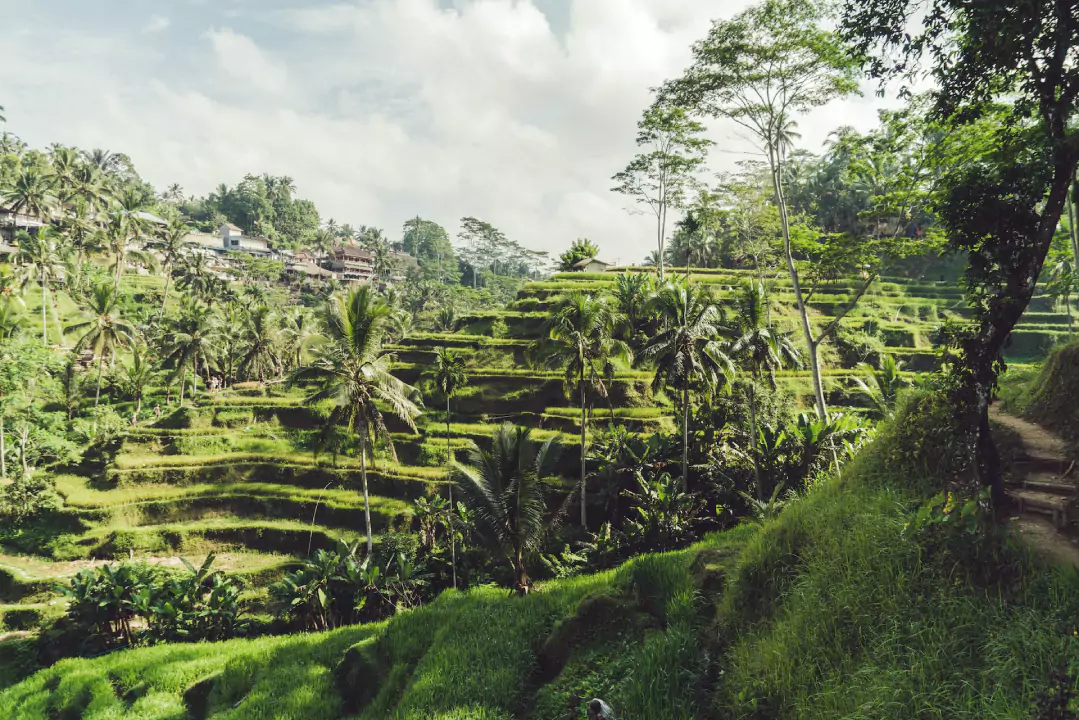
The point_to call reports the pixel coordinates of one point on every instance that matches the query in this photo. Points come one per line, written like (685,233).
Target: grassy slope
(1049,394)
(828,611)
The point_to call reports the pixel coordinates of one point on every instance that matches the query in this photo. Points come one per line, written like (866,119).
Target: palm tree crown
(353,372)
(503,487)
(105,331)
(689,347)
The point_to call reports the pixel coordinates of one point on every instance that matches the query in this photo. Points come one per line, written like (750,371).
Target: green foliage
(499,329)
(581,249)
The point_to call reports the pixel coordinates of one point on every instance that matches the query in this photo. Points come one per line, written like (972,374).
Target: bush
(857,346)
(22,618)
(393,544)
(499,329)
(234,418)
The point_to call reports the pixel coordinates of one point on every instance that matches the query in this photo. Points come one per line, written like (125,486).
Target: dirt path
(1044,489)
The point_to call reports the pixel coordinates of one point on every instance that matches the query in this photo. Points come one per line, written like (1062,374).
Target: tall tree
(1004,207)
(758,345)
(41,252)
(32,192)
(761,69)
(662,176)
(579,338)
(450,376)
(353,371)
(260,356)
(173,244)
(689,348)
(104,332)
(192,339)
(503,487)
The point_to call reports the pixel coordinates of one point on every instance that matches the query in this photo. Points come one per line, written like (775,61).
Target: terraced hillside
(238,473)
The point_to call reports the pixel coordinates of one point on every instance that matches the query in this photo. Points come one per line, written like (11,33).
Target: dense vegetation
(752,477)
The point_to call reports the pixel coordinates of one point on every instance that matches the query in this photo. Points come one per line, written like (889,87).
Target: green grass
(831,610)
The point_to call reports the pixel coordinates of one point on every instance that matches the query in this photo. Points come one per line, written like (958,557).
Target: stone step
(1046,483)
(1042,503)
(1040,463)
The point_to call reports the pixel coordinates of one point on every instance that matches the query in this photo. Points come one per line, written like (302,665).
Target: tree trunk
(756,440)
(1005,310)
(522,574)
(44,323)
(3,450)
(685,436)
(165,297)
(1073,216)
(584,455)
(807,329)
(366,497)
(453,530)
(660,221)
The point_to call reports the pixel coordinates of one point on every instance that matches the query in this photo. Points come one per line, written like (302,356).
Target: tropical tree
(582,249)
(136,376)
(450,376)
(121,230)
(761,69)
(632,295)
(32,192)
(880,386)
(173,244)
(763,349)
(298,331)
(104,332)
(260,357)
(688,348)
(196,277)
(579,338)
(193,338)
(503,488)
(42,253)
(353,372)
(662,176)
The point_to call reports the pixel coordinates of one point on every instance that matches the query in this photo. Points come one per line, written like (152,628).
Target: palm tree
(298,331)
(688,348)
(41,254)
(172,246)
(260,359)
(30,193)
(353,372)
(503,487)
(104,332)
(632,294)
(882,385)
(450,377)
(195,276)
(137,376)
(11,316)
(192,339)
(579,337)
(763,349)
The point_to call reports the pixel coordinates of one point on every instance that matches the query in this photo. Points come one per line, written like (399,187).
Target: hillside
(834,609)
(237,473)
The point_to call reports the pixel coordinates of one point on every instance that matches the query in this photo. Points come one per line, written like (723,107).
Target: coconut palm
(881,385)
(136,376)
(763,349)
(632,293)
(173,243)
(503,487)
(104,332)
(579,338)
(450,377)
(196,277)
(298,330)
(41,254)
(353,372)
(260,358)
(32,192)
(192,340)
(689,348)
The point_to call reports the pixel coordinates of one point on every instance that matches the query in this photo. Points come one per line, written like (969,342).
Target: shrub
(234,418)
(499,329)
(22,618)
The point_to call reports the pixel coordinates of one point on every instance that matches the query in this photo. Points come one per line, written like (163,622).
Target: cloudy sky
(514,111)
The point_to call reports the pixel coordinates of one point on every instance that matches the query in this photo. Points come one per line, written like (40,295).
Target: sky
(514,111)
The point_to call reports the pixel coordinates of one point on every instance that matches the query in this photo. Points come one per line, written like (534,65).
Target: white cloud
(243,60)
(387,108)
(156,24)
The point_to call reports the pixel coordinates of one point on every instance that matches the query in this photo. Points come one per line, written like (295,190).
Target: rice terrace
(795,437)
